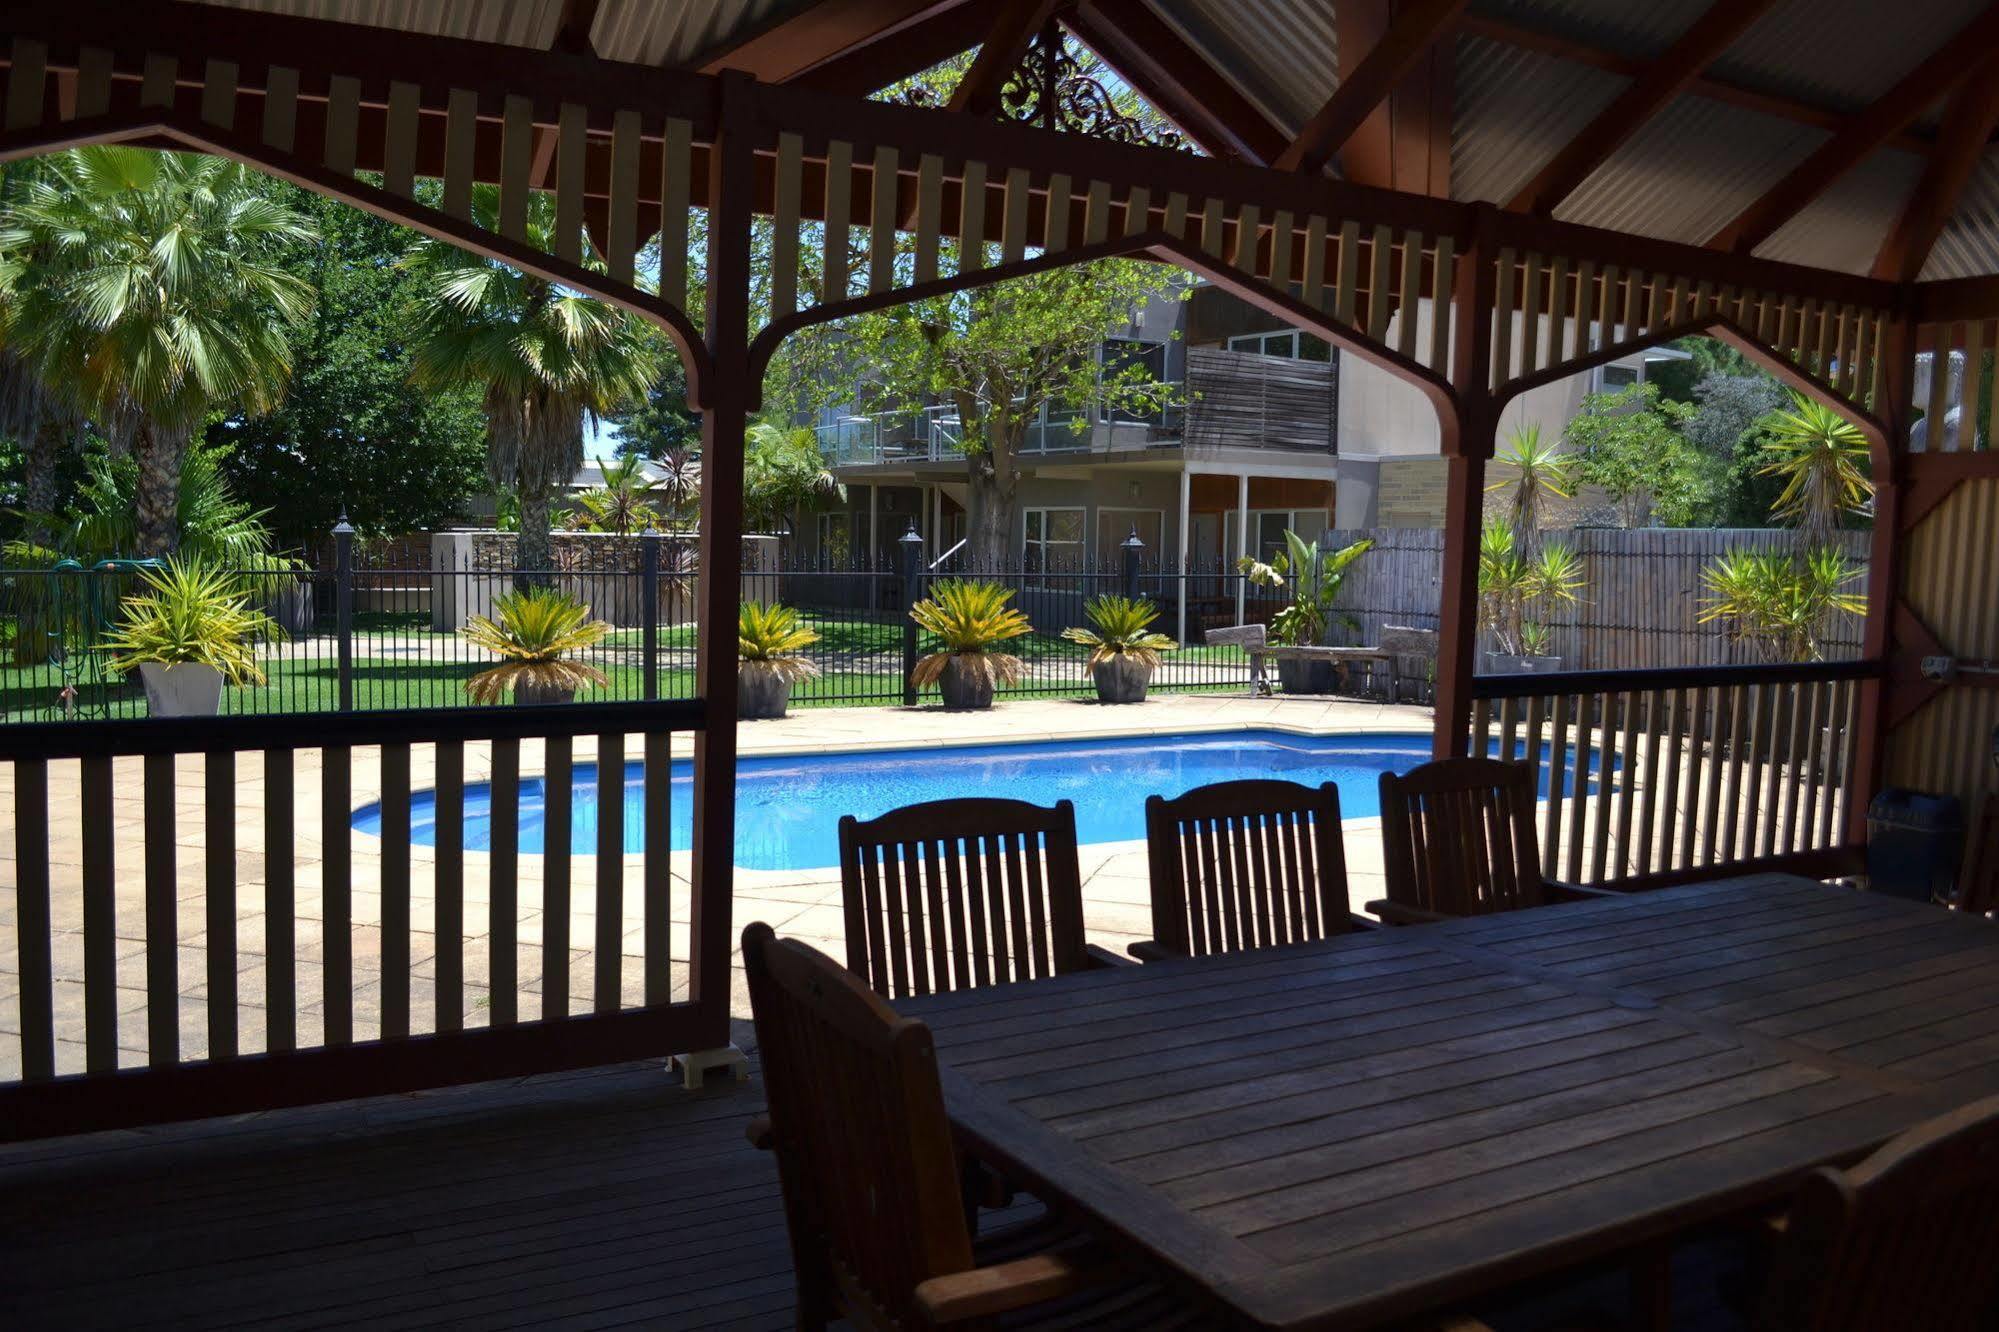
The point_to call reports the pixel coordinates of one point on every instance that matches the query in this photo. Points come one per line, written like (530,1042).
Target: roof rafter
(898,52)
(1393,57)
(978,93)
(1658,84)
(803,39)
(1969,119)
(572,32)
(1164,69)
(1706,85)
(1863,135)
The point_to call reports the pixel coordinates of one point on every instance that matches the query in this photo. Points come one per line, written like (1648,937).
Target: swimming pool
(788,809)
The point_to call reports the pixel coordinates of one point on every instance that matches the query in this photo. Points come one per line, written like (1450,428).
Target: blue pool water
(788,809)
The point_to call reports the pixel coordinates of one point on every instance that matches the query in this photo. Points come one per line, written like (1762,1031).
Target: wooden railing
(201,929)
(1654,777)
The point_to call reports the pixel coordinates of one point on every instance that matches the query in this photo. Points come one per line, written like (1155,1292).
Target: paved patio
(803,903)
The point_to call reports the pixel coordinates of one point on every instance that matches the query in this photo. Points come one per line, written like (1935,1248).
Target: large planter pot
(532,694)
(965,688)
(1507,663)
(1122,679)
(189,689)
(761,693)
(1303,675)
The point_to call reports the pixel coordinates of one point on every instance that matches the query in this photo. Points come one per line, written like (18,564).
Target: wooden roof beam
(572,33)
(1969,120)
(978,93)
(1393,57)
(1706,85)
(1863,135)
(805,38)
(1169,73)
(1661,81)
(899,52)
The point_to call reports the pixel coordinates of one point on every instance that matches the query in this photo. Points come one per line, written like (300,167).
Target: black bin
(1914,840)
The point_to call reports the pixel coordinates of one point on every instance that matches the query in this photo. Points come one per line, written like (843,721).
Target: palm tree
(1822,458)
(623,504)
(548,358)
(679,484)
(145,290)
(1539,469)
(783,472)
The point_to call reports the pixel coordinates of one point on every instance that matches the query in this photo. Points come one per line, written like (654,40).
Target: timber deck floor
(602,1198)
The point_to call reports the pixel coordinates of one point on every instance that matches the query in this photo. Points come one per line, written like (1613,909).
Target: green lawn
(301,683)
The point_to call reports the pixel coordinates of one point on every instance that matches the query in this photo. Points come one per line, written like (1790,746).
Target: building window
(1613,378)
(836,538)
(1267,528)
(1289,343)
(1053,539)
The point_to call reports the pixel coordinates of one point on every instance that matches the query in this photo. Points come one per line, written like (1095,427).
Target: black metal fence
(360,635)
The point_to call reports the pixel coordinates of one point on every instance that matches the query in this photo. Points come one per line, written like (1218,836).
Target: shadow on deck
(602,1198)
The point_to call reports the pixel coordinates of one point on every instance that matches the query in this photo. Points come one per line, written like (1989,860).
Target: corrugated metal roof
(1844,228)
(528,23)
(1626,27)
(1839,53)
(1970,243)
(1283,55)
(1689,170)
(1515,108)
(653,32)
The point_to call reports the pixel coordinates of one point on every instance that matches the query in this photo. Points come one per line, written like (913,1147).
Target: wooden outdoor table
(1336,1133)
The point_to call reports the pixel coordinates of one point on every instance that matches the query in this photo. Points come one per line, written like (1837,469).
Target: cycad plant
(1822,459)
(1314,577)
(969,618)
(146,290)
(532,633)
(191,613)
(1122,627)
(1779,604)
(546,358)
(769,639)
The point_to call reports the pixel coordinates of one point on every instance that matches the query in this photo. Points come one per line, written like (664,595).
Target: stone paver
(802,903)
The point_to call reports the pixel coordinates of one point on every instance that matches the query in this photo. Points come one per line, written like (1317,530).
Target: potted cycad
(189,631)
(1124,650)
(970,619)
(532,633)
(768,640)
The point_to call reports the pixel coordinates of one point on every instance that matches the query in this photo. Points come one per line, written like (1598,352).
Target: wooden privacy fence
(1655,777)
(1640,608)
(202,929)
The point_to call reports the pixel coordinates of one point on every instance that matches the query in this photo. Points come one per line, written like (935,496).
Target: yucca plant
(1777,604)
(1822,459)
(1539,470)
(531,633)
(969,618)
(191,613)
(768,641)
(1514,583)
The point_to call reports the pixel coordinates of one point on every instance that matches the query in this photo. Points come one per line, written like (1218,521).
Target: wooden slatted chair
(870,1175)
(952,894)
(1458,840)
(1247,864)
(1904,1239)
(1978,881)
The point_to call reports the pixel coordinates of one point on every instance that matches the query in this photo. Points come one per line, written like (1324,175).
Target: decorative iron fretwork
(1051,88)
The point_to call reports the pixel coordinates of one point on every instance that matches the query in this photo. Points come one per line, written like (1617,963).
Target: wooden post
(1242,547)
(1468,424)
(725,397)
(1884,581)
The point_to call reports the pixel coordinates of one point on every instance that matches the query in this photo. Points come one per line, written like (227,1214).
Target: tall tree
(546,358)
(354,434)
(148,290)
(1629,443)
(997,355)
